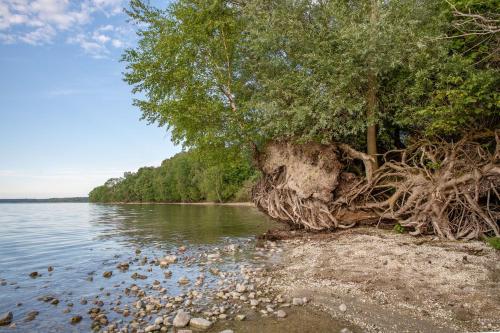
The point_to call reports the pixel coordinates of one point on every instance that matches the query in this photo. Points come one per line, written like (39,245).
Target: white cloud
(38,22)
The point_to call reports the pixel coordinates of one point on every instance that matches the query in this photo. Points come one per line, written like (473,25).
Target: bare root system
(448,189)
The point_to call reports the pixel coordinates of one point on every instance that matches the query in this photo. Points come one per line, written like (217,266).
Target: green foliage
(399,229)
(494,242)
(186,177)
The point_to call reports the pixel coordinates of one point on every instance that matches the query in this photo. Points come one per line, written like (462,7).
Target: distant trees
(186,177)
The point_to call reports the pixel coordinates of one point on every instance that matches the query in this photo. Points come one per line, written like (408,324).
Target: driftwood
(449,189)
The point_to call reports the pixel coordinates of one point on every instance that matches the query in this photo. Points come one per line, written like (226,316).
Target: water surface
(82,240)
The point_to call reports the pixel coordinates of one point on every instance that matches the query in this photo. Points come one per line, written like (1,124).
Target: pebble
(6,318)
(34,274)
(297,301)
(181,319)
(183,280)
(107,274)
(31,315)
(280,314)
(184,331)
(240,317)
(227,331)
(200,323)
(76,320)
(343,307)
(50,268)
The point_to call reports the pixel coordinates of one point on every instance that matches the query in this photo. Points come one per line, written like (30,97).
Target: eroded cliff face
(311,171)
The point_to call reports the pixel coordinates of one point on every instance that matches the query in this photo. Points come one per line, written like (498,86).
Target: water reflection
(168,225)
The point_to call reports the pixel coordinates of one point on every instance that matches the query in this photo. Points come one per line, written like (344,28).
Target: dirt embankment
(387,282)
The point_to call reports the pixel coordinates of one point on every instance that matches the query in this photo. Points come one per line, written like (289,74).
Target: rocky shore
(359,280)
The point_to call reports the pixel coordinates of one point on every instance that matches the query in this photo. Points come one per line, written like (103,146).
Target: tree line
(185,177)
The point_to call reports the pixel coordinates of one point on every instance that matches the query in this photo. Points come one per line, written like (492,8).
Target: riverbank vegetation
(358,111)
(186,177)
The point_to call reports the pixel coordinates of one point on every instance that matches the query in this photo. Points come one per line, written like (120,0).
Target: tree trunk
(371,98)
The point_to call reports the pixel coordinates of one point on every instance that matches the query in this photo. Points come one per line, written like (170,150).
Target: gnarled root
(449,189)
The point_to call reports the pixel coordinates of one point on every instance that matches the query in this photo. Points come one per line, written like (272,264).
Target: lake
(81,241)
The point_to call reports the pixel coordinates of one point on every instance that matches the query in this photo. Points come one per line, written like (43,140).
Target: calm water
(83,240)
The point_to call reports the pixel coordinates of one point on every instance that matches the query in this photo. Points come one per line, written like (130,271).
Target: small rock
(123,266)
(151,328)
(31,315)
(181,319)
(6,318)
(297,301)
(345,330)
(200,323)
(184,331)
(76,320)
(240,288)
(50,268)
(254,302)
(34,274)
(107,274)
(343,307)
(280,314)
(240,317)
(183,280)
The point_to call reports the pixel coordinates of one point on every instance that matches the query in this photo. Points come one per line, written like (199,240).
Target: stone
(169,259)
(343,307)
(107,274)
(31,316)
(240,317)
(159,321)
(181,319)
(76,320)
(136,276)
(50,268)
(6,318)
(254,302)
(152,328)
(200,323)
(184,331)
(183,280)
(34,274)
(280,314)
(241,288)
(227,331)
(123,266)
(345,330)
(297,301)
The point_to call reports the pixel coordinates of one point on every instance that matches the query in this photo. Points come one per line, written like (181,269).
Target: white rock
(297,301)
(200,323)
(254,302)
(241,288)
(227,331)
(181,319)
(280,314)
(343,307)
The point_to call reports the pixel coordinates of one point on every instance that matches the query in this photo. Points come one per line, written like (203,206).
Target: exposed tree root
(449,189)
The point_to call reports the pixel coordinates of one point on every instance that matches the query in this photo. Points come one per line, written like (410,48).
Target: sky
(67,123)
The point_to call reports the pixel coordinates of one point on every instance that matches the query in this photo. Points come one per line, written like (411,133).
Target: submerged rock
(76,319)
(183,280)
(31,316)
(107,274)
(6,318)
(34,274)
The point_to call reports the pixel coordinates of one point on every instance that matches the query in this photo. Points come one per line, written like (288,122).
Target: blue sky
(66,117)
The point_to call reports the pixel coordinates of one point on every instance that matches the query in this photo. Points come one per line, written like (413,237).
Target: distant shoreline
(203,203)
(49,200)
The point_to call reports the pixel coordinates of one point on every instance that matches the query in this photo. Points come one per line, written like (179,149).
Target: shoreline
(381,281)
(208,203)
